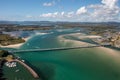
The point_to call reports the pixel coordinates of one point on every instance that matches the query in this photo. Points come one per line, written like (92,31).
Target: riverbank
(73,42)
(16,45)
(65,41)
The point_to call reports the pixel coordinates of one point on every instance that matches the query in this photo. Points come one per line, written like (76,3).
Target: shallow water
(76,64)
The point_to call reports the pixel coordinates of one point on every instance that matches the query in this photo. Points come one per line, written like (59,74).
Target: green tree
(3,53)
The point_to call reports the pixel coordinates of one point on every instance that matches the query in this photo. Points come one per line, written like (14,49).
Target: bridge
(54,49)
(34,74)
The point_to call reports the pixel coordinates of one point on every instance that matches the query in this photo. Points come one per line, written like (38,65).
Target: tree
(3,53)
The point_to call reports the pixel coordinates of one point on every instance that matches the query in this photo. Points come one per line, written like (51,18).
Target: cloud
(29,16)
(109,3)
(62,13)
(70,14)
(55,14)
(48,4)
(58,15)
(107,10)
(46,15)
(81,10)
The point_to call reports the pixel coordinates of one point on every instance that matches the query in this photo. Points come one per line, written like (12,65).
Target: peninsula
(5,56)
(6,40)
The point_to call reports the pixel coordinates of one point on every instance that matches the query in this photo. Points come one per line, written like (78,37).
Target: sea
(74,64)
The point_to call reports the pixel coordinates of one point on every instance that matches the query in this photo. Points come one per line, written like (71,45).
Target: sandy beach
(110,52)
(16,45)
(27,38)
(82,36)
(13,46)
(65,41)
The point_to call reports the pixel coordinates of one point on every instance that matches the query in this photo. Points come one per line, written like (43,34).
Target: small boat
(23,60)
(17,70)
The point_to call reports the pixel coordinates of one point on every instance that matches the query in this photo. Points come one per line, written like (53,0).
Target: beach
(16,45)
(65,41)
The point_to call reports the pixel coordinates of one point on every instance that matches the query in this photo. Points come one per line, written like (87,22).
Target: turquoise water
(77,64)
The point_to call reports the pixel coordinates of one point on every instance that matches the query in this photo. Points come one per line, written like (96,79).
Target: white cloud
(109,3)
(107,10)
(56,13)
(29,16)
(46,15)
(70,14)
(49,3)
(62,13)
(81,10)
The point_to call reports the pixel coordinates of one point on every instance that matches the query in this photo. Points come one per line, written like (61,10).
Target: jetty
(34,74)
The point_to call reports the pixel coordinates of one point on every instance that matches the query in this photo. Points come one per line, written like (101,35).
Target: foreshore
(16,45)
(65,41)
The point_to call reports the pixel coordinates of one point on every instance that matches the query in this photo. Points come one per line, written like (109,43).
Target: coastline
(110,52)
(16,45)
(65,41)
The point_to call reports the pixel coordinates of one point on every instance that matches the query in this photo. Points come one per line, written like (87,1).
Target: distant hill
(27,22)
(46,23)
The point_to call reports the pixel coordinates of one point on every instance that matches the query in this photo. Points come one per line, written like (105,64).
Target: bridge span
(35,75)
(54,49)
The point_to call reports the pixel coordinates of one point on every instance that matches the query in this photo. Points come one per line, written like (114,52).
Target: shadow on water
(44,74)
(1,70)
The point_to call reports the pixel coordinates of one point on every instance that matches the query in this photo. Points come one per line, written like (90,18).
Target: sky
(60,10)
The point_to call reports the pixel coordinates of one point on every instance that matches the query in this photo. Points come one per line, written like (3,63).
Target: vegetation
(4,53)
(4,56)
(6,39)
(108,30)
(15,27)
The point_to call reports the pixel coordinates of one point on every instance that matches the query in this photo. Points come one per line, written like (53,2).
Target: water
(77,64)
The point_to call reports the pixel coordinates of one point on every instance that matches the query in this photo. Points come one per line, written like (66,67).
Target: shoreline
(110,52)
(16,45)
(65,41)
